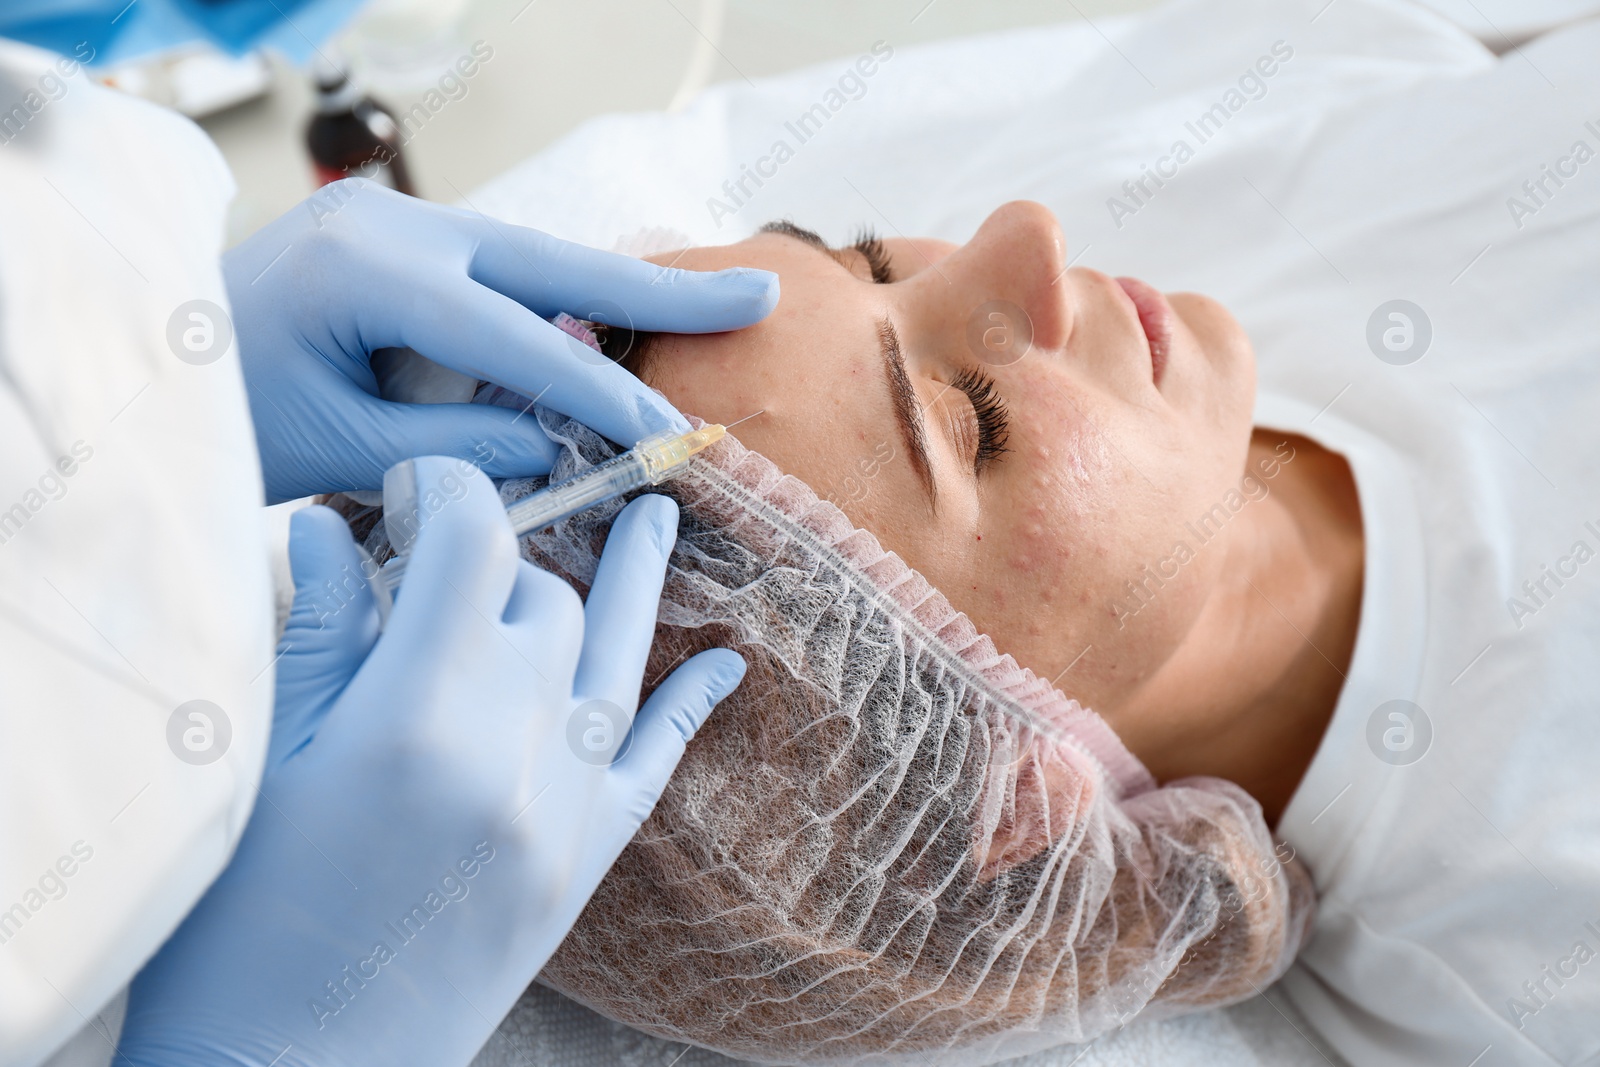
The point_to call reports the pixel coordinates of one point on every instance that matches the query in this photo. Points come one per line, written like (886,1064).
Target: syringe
(650,462)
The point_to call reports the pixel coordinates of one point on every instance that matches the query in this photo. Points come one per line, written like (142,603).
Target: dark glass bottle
(353,135)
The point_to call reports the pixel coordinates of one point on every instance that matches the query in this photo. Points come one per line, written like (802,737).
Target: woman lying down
(896,843)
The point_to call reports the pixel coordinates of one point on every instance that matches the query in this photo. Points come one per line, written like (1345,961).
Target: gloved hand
(359,267)
(439,800)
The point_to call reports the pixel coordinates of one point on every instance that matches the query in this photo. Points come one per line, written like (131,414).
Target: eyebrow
(785,228)
(799,233)
(907,409)
(902,394)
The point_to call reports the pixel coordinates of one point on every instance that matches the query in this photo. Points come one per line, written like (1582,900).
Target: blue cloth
(116,30)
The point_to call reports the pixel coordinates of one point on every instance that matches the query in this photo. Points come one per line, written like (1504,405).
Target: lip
(1155,319)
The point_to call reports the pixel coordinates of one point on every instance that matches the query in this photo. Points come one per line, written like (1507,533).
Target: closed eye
(994,420)
(870,247)
(867,245)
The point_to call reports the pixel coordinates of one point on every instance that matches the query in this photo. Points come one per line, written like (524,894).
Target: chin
(1219,334)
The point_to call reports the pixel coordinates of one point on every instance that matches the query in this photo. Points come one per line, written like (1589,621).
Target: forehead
(759,249)
(823,331)
(814,368)
(814,378)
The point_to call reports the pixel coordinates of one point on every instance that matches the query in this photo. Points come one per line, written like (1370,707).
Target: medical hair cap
(892,844)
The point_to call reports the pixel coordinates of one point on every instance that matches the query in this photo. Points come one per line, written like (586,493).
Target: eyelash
(994,422)
(870,247)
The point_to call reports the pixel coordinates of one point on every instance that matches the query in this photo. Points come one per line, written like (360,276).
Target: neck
(1248,696)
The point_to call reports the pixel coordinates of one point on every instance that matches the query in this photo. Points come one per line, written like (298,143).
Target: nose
(1017,257)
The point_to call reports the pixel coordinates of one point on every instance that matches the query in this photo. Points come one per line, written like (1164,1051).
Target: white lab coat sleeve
(133,572)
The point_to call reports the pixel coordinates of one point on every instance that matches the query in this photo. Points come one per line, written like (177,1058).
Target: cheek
(1062,482)
(1227,354)
(1053,524)
(1077,476)
(1094,494)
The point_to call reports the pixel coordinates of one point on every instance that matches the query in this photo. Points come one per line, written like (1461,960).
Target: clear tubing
(651,462)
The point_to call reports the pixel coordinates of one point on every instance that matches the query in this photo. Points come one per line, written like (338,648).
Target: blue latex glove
(359,268)
(437,805)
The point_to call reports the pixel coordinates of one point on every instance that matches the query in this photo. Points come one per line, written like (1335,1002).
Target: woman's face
(1029,480)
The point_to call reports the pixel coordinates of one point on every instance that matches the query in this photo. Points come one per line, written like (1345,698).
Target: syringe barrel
(618,475)
(664,454)
(650,462)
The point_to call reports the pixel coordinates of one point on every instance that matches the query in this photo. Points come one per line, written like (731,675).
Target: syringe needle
(747,418)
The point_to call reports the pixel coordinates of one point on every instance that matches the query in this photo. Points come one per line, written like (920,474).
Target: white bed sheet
(1503,24)
(945,129)
(548,1030)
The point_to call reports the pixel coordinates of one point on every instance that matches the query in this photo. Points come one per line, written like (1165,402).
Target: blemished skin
(1230,663)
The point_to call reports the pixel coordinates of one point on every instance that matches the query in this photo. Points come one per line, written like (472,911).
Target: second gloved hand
(358,268)
(440,799)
